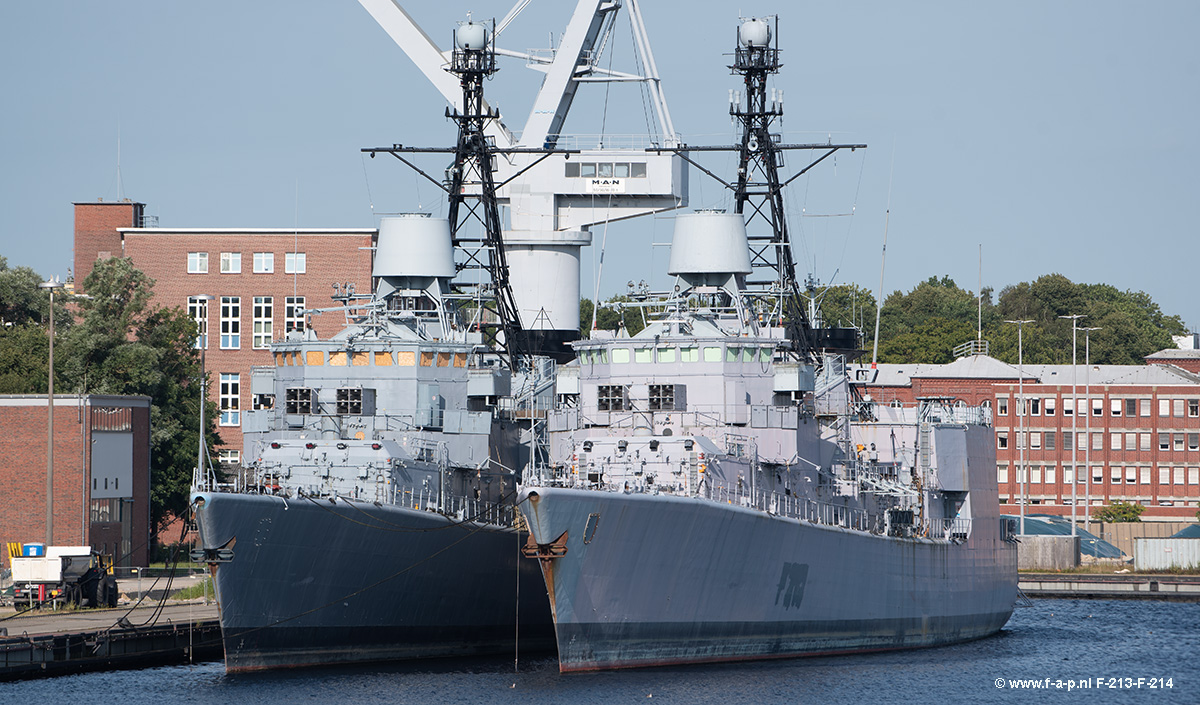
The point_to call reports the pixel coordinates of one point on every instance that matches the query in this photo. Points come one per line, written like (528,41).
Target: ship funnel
(709,242)
(414,245)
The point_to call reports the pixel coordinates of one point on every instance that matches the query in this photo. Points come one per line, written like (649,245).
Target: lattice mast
(758,194)
(472,188)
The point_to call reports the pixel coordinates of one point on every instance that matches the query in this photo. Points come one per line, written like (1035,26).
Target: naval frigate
(717,489)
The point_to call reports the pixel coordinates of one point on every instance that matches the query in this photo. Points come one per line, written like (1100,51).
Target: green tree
(847,306)
(123,346)
(24,352)
(611,315)
(931,341)
(1119,512)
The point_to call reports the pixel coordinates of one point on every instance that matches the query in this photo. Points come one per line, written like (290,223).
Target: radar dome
(709,242)
(471,36)
(754,33)
(414,245)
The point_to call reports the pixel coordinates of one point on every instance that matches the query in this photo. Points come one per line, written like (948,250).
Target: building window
(1035,407)
(1143,441)
(1050,404)
(1051,440)
(231,322)
(1035,474)
(293,314)
(1097,441)
(1131,476)
(1098,475)
(1115,406)
(295,263)
(1144,407)
(198,312)
(1164,408)
(1081,441)
(1068,439)
(1068,475)
(264,262)
(231,263)
(1115,473)
(1002,439)
(1145,475)
(1035,440)
(1177,408)
(1194,476)
(231,389)
(1164,475)
(1049,474)
(1068,407)
(1177,442)
(1164,441)
(1097,407)
(229,457)
(1193,442)
(197,263)
(1193,408)
(1001,406)
(1179,476)
(1116,442)
(264,311)
(1131,407)
(1001,474)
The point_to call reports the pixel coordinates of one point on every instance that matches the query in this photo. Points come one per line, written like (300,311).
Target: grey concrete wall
(1162,554)
(1047,552)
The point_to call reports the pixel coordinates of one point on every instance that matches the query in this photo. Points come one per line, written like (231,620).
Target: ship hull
(313,582)
(657,580)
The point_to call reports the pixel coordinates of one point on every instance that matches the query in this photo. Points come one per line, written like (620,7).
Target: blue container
(33,550)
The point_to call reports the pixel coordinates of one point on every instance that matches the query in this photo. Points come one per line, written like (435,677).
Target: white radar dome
(414,245)
(754,33)
(472,36)
(709,242)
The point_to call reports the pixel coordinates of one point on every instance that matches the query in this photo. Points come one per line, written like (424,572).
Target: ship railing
(460,507)
(952,529)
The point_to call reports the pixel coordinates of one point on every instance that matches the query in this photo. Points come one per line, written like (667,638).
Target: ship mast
(472,188)
(758,193)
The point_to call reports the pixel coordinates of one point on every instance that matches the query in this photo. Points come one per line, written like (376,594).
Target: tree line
(925,324)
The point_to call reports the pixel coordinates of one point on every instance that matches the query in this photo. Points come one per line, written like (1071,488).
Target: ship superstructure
(717,491)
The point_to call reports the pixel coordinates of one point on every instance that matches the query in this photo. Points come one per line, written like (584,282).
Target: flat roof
(131,400)
(248,231)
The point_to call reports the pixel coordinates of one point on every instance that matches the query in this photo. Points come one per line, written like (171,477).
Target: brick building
(261,282)
(1132,431)
(101,495)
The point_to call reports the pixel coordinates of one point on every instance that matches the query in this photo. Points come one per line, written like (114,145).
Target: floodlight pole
(1087,451)
(51,285)
(1074,425)
(1020,409)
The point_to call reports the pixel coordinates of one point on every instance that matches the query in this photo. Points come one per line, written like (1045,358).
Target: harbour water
(1098,649)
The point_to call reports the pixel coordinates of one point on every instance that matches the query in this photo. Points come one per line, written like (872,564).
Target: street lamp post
(1020,408)
(198,479)
(1087,451)
(1074,416)
(51,285)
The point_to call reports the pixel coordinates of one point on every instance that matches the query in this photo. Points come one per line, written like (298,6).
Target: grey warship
(377,519)
(717,490)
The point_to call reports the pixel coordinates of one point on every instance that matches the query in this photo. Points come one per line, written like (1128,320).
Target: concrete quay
(1108,586)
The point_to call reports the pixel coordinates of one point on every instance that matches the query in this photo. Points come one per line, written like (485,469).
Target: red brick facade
(23,475)
(1160,471)
(96,235)
(188,262)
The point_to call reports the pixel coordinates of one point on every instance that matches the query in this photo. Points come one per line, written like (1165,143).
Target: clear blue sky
(1061,135)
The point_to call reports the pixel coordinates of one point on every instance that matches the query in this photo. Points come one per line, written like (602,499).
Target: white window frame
(231,322)
(1115,406)
(1049,405)
(197,263)
(197,307)
(228,456)
(231,263)
(293,314)
(264,262)
(295,263)
(263,315)
(1001,406)
(1115,441)
(230,399)
(1050,474)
